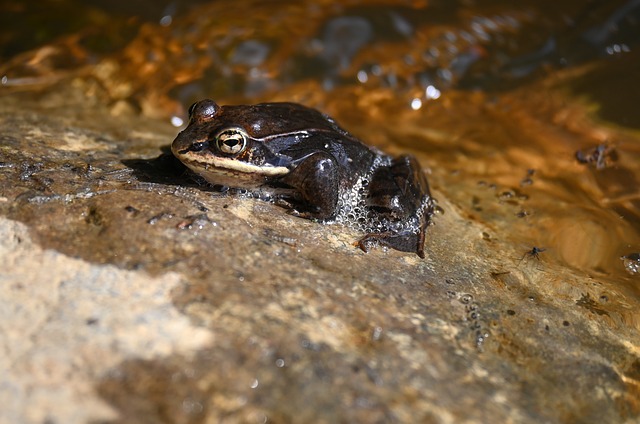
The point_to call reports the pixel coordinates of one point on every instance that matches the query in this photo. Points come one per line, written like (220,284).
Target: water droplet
(432,92)
(377,333)
(254,383)
(176,121)
(631,263)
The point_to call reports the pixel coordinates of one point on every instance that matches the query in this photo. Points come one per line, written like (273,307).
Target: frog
(306,162)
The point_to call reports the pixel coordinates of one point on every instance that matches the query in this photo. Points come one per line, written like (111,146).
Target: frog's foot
(404,242)
(300,214)
(285,204)
(294,206)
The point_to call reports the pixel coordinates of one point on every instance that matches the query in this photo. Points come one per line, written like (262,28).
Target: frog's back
(265,120)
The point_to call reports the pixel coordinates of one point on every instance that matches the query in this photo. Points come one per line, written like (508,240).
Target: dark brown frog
(302,158)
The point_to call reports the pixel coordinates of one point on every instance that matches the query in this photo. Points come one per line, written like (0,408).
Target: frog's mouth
(231,172)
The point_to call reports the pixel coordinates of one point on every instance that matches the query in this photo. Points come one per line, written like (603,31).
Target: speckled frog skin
(303,159)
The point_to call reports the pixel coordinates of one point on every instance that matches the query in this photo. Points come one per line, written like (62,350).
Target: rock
(131,294)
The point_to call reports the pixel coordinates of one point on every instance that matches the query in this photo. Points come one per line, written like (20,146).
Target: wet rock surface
(249,313)
(131,292)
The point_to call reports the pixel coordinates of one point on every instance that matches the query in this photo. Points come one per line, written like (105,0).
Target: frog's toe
(362,244)
(405,242)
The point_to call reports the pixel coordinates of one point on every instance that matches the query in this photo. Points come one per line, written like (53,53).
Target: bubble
(481,337)
(473,307)
(191,406)
(376,333)
(466,298)
(506,195)
(475,325)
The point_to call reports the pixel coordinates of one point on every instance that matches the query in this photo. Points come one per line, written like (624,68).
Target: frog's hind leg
(398,190)
(399,194)
(411,242)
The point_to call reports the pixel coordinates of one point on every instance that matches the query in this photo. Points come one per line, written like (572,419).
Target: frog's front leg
(315,180)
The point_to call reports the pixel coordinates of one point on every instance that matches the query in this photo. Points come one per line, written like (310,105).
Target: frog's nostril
(195,147)
(198,147)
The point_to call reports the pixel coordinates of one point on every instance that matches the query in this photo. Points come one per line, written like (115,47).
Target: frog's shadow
(165,169)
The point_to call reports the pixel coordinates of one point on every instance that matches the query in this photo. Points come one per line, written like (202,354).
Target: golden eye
(231,141)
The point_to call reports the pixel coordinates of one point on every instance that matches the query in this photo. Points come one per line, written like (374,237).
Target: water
(507,102)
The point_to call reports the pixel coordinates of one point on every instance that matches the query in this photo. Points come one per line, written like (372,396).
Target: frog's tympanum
(304,160)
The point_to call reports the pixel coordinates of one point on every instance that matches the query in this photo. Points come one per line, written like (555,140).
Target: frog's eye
(231,141)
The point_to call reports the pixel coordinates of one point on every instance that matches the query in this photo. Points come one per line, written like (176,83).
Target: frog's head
(218,146)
